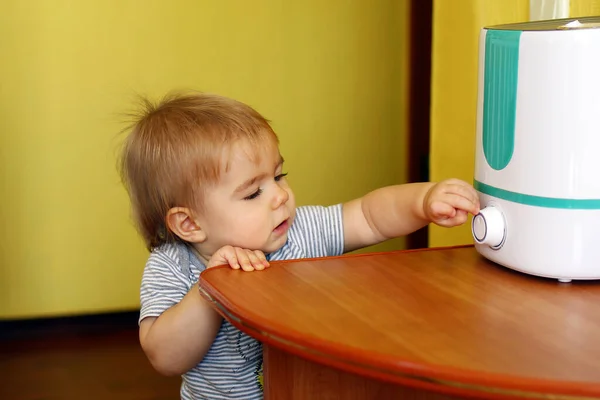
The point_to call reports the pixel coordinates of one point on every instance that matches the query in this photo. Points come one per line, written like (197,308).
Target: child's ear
(181,222)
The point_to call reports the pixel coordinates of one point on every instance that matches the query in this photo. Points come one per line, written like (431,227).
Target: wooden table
(426,324)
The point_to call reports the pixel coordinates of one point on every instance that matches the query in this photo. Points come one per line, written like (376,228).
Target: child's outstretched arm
(396,211)
(179,338)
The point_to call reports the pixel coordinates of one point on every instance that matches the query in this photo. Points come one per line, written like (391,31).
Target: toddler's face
(252,205)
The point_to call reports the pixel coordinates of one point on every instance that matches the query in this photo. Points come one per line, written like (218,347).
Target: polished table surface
(444,319)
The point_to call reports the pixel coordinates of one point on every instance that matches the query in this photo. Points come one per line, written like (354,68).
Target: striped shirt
(232,367)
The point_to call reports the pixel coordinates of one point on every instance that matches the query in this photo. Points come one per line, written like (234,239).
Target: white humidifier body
(537,160)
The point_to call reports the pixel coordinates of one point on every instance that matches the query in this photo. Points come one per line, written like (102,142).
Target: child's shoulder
(310,214)
(312,219)
(165,256)
(175,258)
(317,231)
(166,251)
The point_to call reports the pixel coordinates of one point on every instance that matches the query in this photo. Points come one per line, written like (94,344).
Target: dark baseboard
(42,328)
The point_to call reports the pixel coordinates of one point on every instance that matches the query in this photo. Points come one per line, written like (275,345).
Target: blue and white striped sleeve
(163,283)
(321,230)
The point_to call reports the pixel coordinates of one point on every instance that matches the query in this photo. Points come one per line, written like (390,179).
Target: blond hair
(174,151)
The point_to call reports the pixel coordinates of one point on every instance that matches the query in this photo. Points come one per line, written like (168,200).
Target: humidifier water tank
(537,160)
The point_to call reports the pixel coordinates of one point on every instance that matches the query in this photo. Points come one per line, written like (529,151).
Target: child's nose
(281,197)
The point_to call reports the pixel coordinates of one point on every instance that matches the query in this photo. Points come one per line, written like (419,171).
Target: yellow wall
(330,74)
(582,8)
(454,87)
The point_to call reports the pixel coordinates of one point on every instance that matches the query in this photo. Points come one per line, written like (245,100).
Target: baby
(208,187)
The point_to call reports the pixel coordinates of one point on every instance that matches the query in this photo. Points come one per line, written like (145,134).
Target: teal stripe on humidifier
(537,201)
(500,96)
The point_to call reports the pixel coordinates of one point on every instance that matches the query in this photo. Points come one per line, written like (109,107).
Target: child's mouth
(281,227)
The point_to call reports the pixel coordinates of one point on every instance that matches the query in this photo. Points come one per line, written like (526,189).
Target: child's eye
(253,195)
(278,177)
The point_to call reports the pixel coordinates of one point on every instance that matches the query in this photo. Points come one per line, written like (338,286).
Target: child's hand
(448,203)
(236,257)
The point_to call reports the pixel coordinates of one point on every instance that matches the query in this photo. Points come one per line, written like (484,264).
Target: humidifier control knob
(488,227)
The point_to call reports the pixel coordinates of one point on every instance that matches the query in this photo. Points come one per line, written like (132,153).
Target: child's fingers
(442,209)
(229,255)
(261,257)
(243,259)
(459,219)
(255,262)
(463,190)
(459,187)
(237,258)
(462,203)
(225,255)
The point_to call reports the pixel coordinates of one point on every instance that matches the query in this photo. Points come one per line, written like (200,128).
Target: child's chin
(278,244)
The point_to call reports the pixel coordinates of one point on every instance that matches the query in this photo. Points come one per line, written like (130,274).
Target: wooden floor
(99,358)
